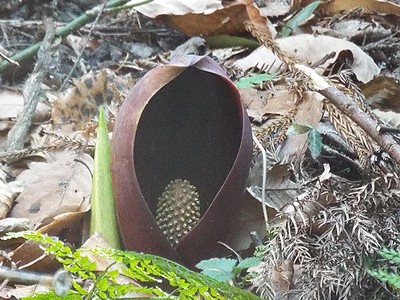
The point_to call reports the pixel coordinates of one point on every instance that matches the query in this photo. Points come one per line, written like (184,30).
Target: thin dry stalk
(32,92)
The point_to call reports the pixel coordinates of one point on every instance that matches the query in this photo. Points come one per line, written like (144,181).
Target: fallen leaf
(67,226)
(8,192)
(177,7)
(248,218)
(31,257)
(369,6)
(280,190)
(23,291)
(309,50)
(206,18)
(53,189)
(275,8)
(383,93)
(80,104)
(254,101)
(309,114)
(11,104)
(281,278)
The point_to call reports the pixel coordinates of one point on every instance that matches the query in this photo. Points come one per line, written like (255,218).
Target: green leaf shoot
(298,129)
(299,18)
(103,218)
(250,81)
(314,143)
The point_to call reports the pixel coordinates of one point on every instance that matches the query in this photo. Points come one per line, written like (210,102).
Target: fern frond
(384,275)
(390,254)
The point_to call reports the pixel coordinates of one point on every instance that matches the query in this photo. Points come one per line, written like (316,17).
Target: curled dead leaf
(206,18)
(369,6)
(54,188)
(311,50)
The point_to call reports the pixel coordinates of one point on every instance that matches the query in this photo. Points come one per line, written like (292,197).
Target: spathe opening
(190,129)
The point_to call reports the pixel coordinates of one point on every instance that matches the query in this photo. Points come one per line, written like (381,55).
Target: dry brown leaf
(31,257)
(281,278)
(11,104)
(67,226)
(261,104)
(280,103)
(254,101)
(80,104)
(309,50)
(383,93)
(206,18)
(8,193)
(280,189)
(229,20)
(23,291)
(178,7)
(369,6)
(249,217)
(56,188)
(309,114)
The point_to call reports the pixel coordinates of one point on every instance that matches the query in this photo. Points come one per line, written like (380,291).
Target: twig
(347,106)
(31,92)
(264,179)
(83,48)
(62,32)
(351,109)
(9,59)
(387,129)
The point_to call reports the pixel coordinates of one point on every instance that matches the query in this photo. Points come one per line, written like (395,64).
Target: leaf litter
(326,210)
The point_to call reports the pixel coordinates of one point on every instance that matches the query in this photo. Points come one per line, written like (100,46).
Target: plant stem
(62,32)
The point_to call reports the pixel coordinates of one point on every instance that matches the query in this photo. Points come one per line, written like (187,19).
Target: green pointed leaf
(248,263)
(314,143)
(103,217)
(298,129)
(299,18)
(227,41)
(220,269)
(250,81)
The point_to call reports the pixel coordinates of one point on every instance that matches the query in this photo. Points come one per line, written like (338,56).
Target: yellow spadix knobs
(178,210)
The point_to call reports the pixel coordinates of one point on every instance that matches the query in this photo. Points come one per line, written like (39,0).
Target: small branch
(351,109)
(31,92)
(386,129)
(83,49)
(347,106)
(62,32)
(9,59)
